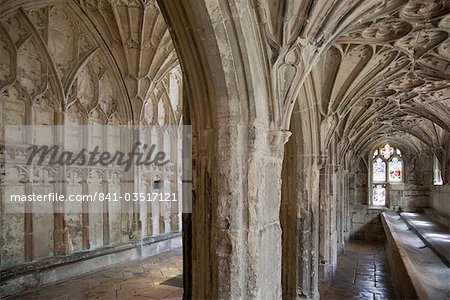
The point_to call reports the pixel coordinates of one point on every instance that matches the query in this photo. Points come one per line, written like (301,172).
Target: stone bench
(433,234)
(418,272)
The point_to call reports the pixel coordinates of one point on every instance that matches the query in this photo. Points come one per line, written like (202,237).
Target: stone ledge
(56,269)
(418,272)
(432,233)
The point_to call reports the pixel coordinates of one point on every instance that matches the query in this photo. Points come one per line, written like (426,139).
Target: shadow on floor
(175,281)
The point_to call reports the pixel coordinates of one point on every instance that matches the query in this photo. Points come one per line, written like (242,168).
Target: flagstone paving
(362,273)
(158,277)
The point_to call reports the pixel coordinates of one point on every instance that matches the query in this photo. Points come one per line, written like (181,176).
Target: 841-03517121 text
(97,196)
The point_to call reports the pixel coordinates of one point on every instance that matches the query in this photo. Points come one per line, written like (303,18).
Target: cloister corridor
(362,273)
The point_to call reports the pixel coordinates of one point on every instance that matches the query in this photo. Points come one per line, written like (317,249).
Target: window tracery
(386,168)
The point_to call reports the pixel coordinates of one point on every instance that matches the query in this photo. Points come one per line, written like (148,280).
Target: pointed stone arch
(237,159)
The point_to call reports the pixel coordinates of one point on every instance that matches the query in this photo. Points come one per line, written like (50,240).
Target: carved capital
(277,139)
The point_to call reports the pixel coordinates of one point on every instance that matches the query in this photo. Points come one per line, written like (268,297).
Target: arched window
(386,168)
(437,174)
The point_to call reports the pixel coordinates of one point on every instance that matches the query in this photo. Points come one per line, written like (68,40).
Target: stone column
(346,206)
(135,186)
(174,205)
(446,164)
(28,226)
(85,217)
(105,216)
(61,233)
(236,234)
(340,219)
(149,207)
(143,206)
(166,206)
(300,222)
(308,225)
(326,201)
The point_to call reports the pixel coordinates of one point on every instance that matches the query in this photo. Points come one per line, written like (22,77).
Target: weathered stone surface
(152,285)
(63,65)
(30,276)
(417,270)
(361,273)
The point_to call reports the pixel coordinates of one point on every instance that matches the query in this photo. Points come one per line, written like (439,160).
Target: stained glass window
(395,170)
(387,151)
(379,170)
(379,195)
(387,168)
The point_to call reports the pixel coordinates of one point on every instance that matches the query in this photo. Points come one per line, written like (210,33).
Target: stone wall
(57,69)
(366,223)
(411,195)
(440,199)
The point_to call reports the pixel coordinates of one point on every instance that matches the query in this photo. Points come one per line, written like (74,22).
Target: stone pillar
(174,205)
(340,219)
(166,206)
(28,226)
(149,207)
(105,219)
(61,232)
(143,206)
(326,201)
(135,186)
(446,164)
(61,242)
(236,234)
(157,211)
(300,223)
(346,206)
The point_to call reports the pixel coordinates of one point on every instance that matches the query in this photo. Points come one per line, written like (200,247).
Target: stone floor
(362,273)
(153,278)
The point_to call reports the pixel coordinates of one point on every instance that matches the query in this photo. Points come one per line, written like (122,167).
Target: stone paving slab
(361,273)
(152,278)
